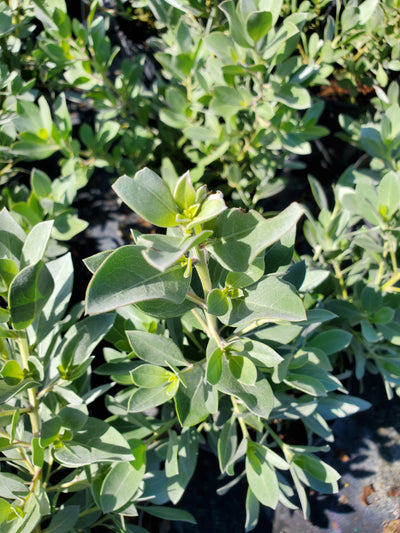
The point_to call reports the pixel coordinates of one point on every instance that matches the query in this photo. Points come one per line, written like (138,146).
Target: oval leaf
(149,196)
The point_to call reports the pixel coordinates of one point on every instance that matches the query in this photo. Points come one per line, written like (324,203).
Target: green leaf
(227,444)
(261,478)
(12,237)
(258,24)
(184,193)
(188,446)
(220,44)
(261,353)
(242,369)
(165,309)
(171,462)
(318,193)
(317,468)
(73,417)
(62,272)
(163,251)
(217,302)
(142,399)
(252,511)
(301,493)
(156,349)
(258,398)
(12,373)
(383,315)
(62,115)
(12,486)
(64,520)
(305,383)
(197,400)
(390,331)
(269,299)
(67,225)
(82,338)
(125,278)
(330,341)
(40,183)
(93,262)
(294,96)
(5,510)
(118,487)
(149,376)
(227,101)
(96,442)
(214,366)
(8,271)
(240,237)
(240,280)
(35,244)
(37,453)
(148,196)
(367,9)
(9,391)
(389,194)
(236,24)
(339,406)
(169,513)
(50,431)
(210,208)
(34,148)
(29,292)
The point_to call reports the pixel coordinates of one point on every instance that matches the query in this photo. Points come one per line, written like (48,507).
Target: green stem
(394,260)
(161,430)
(34,412)
(204,275)
(339,276)
(197,300)
(10,412)
(279,441)
(242,423)
(394,279)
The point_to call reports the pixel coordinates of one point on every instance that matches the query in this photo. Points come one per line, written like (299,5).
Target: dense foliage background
(258,143)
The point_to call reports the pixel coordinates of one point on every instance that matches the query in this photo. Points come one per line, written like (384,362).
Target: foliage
(358,242)
(214,331)
(236,93)
(229,347)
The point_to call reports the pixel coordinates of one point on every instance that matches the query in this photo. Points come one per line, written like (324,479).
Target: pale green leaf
(156,349)
(197,400)
(96,442)
(262,479)
(149,376)
(169,513)
(125,278)
(118,487)
(148,196)
(214,366)
(163,251)
(258,24)
(217,302)
(242,369)
(331,341)
(64,520)
(240,237)
(269,299)
(142,399)
(35,243)
(29,292)
(239,280)
(236,23)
